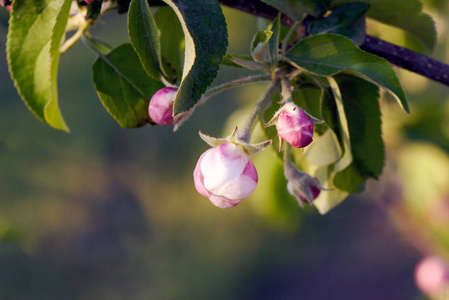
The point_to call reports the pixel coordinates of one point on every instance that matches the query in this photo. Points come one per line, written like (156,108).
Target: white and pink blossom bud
(161,106)
(225,175)
(294,126)
(432,276)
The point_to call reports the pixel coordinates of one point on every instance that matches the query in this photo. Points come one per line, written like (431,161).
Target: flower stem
(222,87)
(74,38)
(289,35)
(244,134)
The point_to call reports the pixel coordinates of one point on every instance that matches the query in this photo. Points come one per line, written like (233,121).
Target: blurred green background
(109,213)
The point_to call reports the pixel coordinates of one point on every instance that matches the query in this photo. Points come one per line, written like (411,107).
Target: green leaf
(346,19)
(35,34)
(123,86)
(259,45)
(241,61)
(361,105)
(144,37)
(350,179)
(333,196)
(329,54)
(228,60)
(296,9)
(324,150)
(273,43)
(346,159)
(171,38)
(206,41)
(406,15)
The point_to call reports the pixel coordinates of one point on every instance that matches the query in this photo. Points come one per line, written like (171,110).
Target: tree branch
(397,55)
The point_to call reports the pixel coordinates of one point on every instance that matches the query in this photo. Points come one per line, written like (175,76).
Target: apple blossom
(225,175)
(301,185)
(161,106)
(432,275)
(294,126)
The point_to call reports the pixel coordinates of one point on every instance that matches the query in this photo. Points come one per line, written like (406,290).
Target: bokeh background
(110,213)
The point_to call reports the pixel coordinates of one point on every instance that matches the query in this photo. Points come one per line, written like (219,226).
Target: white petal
(222,165)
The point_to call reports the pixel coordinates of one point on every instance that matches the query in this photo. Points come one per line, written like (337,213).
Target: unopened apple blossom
(301,185)
(294,126)
(225,175)
(161,106)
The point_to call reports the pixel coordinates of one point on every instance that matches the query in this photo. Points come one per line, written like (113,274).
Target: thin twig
(400,56)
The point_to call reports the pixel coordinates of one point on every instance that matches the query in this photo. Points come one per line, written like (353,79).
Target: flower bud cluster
(225,173)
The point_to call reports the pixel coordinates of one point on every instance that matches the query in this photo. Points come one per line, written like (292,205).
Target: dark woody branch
(399,56)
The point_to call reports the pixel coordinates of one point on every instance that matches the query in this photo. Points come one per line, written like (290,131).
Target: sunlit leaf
(329,54)
(324,150)
(346,159)
(259,45)
(35,34)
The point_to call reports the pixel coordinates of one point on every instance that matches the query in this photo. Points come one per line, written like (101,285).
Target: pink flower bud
(306,193)
(432,275)
(301,185)
(294,126)
(225,175)
(161,106)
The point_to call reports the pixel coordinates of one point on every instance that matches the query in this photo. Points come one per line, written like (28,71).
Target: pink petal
(199,178)
(223,202)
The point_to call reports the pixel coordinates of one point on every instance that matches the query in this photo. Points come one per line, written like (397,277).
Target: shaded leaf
(346,19)
(144,37)
(406,15)
(273,43)
(123,86)
(329,54)
(350,179)
(171,38)
(35,34)
(296,9)
(206,41)
(362,111)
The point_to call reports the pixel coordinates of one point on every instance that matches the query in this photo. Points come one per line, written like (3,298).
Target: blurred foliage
(108,213)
